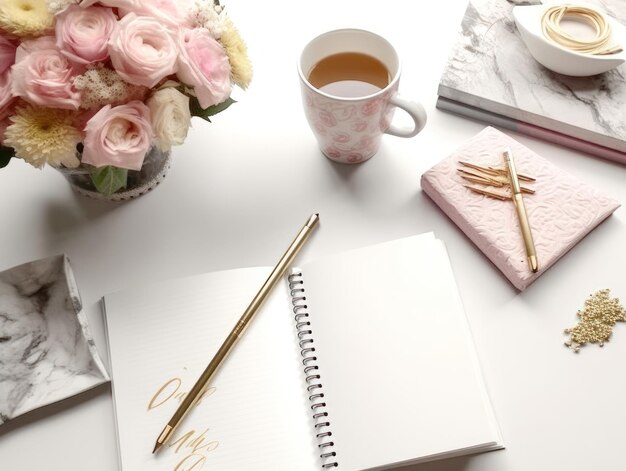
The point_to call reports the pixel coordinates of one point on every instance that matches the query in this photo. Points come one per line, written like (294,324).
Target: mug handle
(415,111)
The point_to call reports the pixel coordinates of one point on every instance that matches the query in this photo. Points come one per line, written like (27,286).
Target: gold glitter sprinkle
(597,319)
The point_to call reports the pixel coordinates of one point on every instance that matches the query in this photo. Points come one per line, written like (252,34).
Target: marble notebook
(562,211)
(491,76)
(46,351)
(377,369)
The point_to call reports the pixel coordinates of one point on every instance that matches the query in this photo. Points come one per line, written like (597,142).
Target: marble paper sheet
(46,351)
(490,68)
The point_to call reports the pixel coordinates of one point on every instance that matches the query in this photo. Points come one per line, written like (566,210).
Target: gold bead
(597,318)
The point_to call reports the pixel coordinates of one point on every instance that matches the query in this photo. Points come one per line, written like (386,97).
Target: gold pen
(521,212)
(244,321)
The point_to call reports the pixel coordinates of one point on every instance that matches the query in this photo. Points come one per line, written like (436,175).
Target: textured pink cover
(562,211)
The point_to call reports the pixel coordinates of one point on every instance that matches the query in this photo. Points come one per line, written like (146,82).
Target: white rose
(171,118)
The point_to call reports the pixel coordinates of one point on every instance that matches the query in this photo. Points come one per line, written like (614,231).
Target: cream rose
(171,118)
(119,136)
(142,50)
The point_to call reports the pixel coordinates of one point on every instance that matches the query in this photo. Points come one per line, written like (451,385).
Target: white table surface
(240,188)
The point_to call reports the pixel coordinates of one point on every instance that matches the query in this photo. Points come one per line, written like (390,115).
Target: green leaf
(204,113)
(6,154)
(109,179)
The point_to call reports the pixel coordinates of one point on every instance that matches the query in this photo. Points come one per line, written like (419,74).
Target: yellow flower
(44,135)
(25,17)
(241,68)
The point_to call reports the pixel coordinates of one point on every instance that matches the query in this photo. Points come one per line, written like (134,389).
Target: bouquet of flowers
(98,83)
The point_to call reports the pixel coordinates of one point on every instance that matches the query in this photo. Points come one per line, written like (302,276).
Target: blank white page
(160,340)
(397,363)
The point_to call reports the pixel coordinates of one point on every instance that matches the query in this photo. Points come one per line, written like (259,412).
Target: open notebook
(391,372)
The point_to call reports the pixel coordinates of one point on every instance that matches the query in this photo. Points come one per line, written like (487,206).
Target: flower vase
(154,169)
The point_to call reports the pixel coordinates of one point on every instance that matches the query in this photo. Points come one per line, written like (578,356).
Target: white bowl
(558,58)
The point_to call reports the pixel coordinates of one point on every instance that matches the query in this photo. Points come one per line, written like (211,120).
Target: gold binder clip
(491,194)
(489,176)
(497,171)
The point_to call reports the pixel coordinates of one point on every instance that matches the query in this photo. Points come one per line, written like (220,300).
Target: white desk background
(242,186)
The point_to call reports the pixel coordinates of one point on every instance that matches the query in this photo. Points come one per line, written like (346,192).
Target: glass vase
(155,166)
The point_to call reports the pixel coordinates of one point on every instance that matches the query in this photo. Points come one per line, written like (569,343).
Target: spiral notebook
(360,360)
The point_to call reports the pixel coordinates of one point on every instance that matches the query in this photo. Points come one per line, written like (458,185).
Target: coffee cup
(349,81)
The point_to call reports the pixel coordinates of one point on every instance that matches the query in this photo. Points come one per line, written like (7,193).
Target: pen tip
(313,220)
(165,434)
(534,264)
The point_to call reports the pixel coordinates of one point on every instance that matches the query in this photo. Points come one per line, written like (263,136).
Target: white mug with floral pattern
(349,129)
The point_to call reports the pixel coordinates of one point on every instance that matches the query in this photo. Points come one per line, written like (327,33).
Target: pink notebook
(562,211)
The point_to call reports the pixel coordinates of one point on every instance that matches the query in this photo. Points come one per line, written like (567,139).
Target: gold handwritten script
(192,445)
(171,390)
(195,447)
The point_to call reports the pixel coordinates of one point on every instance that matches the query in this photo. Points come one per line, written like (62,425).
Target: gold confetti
(596,320)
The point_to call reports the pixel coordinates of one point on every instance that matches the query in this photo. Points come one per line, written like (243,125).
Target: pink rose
(203,65)
(127,4)
(83,33)
(142,50)
(6,102)
(6,96)
(119,136)
(168,12)
(7,54)
(43,76)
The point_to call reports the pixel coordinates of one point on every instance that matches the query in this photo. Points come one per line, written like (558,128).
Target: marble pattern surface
(46,351)
(490,68)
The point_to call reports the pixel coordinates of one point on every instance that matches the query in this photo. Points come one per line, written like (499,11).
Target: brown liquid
(349,74)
